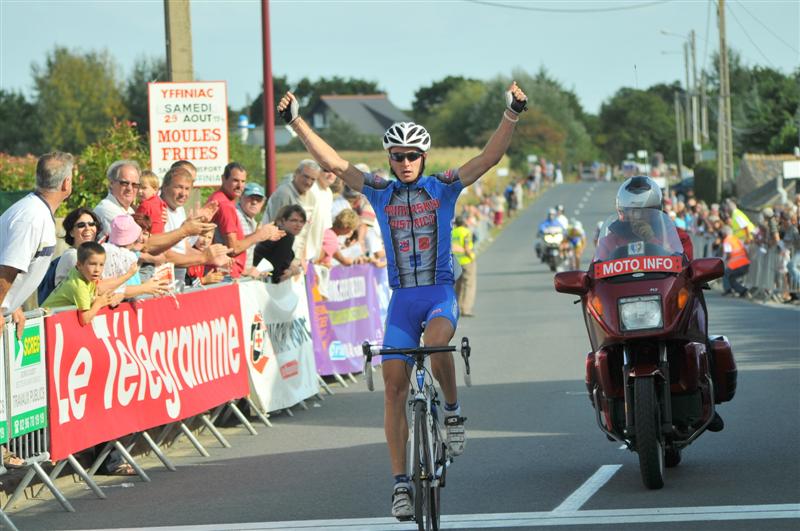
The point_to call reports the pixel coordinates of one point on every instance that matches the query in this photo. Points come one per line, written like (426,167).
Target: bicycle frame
(427,458)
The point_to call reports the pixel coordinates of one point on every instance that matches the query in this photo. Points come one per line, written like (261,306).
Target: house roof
(757,169)
(370,114)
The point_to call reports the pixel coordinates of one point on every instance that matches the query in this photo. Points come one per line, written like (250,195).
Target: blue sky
(406,45)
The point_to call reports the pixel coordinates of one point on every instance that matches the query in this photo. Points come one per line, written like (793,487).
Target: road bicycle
(428,453)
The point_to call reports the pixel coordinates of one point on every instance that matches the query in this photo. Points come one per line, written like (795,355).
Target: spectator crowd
(761,251)
(143,239)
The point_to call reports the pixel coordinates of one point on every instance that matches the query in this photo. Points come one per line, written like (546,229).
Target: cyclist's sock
(401,478)
(452,410)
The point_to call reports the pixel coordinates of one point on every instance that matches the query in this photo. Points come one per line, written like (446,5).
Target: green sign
(27,407)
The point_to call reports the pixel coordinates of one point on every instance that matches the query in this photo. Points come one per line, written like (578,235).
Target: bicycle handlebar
(376,350)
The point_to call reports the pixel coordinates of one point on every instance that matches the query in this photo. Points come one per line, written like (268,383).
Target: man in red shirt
(229,228)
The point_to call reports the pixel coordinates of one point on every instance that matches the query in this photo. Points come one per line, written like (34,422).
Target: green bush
(120,141)
(705,181)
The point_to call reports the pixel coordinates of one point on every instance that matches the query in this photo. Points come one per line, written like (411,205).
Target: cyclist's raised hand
(288,108)
(516,100)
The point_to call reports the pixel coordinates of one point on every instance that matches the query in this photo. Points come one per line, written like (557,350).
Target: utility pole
(725,133)
(179,40)
(694,93)
(679,134)
(688,109)
(269,101)
(703,108)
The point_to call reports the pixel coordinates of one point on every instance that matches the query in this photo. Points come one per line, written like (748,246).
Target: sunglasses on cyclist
(84,224)
(411,156)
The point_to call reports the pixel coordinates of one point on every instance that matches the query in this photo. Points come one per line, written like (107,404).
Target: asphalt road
(532,437)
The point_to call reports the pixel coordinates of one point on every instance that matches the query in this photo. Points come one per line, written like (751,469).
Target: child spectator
(197,272)
(80,287)
(125,242)
(344,224)
(150,203)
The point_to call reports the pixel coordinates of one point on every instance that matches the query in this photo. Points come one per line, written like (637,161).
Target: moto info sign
(189,121)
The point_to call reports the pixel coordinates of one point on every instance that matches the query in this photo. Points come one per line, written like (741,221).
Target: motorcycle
(552,248)
(654,375)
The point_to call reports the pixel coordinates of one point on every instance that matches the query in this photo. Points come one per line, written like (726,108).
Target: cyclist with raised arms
(416,218)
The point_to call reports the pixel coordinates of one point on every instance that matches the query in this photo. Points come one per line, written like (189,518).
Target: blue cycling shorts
(409,308)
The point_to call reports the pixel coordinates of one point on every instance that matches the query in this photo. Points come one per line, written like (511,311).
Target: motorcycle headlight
(553,238)
(640,313)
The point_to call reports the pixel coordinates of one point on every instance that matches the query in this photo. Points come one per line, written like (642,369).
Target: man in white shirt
(28,235)
(249,206)
(298,192)
(175,189)
(123,186)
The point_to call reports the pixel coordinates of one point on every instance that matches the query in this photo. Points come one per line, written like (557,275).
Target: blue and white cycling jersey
(416,220)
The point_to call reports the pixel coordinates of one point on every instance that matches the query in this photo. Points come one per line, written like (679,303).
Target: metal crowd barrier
(768,275)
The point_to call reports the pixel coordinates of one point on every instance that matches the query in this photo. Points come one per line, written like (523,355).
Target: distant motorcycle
(553,251)
(654,375)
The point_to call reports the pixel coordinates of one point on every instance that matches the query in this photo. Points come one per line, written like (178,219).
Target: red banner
(638,264)
(142,365)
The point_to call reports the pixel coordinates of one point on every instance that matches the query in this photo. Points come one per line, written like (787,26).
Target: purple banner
(350,314)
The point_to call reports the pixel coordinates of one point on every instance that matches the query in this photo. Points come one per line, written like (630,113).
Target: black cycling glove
(290,113)
(514,105)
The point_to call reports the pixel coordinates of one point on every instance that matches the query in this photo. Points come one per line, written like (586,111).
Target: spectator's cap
(124,230)
(253,189)
(768,212)
(349,193)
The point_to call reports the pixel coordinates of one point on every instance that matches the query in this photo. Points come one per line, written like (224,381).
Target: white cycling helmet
(639,192)
(407,134)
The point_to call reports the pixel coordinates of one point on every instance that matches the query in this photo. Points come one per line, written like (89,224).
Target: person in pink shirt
(229,228)
(345,223)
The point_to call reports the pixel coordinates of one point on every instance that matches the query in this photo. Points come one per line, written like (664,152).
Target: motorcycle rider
(638,193)
(561,216)
(550,222)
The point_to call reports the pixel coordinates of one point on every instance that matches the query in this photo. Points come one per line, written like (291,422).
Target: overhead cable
(561,10)
(795,50)
(749,37)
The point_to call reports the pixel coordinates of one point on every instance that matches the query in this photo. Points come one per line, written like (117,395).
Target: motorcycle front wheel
(647,425)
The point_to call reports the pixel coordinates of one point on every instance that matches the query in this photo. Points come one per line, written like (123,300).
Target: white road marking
(533,519)
(576,500)
(623,447)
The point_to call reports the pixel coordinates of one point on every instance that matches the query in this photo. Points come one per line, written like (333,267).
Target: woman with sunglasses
(415,214)
(82,225)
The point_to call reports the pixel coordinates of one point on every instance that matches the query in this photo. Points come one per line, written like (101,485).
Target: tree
(462,118)
(764,105)
(255,111)
(427,99)
(144,71)
(77,98)
(24,137)
(636,119)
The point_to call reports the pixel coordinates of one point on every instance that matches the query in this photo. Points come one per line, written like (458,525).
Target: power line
(556,10)
(795,50)
(749,37)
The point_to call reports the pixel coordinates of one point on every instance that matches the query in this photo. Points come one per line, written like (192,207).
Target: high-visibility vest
(738,256)
(462,237)
(743,228)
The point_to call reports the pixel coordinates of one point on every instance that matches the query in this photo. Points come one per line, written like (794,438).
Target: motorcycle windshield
(639,233)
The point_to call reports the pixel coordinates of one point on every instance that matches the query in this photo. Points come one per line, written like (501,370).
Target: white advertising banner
(281,362)
(189,121)
(27,407)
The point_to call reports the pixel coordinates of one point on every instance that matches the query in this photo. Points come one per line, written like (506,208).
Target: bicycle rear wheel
(426,497)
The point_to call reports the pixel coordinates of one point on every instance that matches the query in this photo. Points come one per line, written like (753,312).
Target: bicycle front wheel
(426,496)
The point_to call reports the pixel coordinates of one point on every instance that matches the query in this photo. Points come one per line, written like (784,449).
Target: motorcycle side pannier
(725,372)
